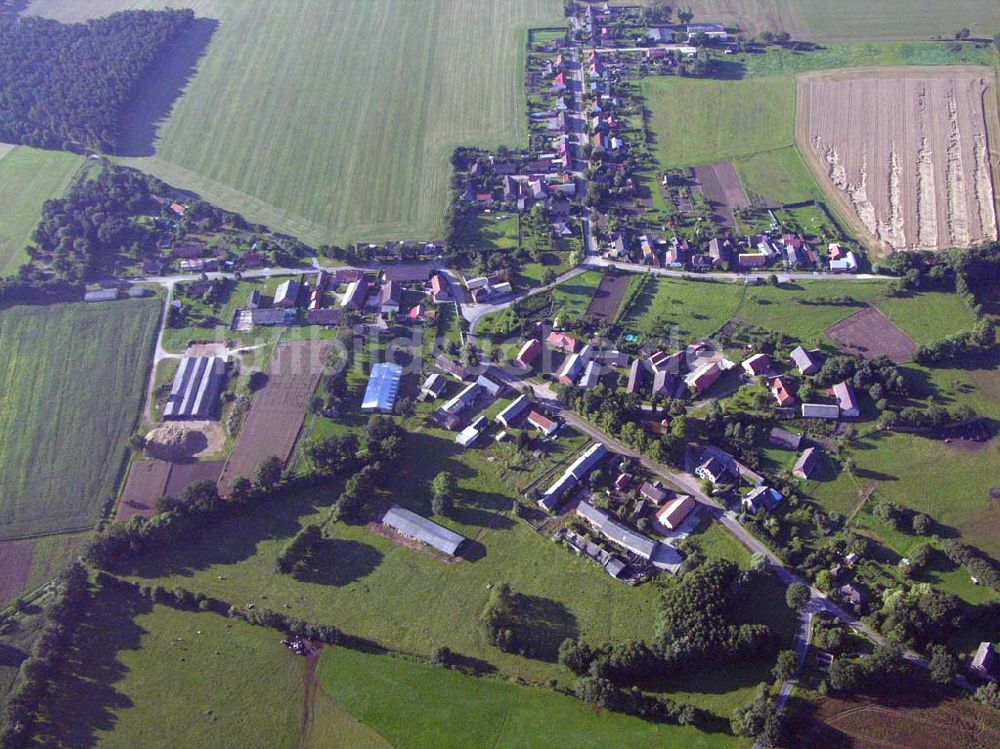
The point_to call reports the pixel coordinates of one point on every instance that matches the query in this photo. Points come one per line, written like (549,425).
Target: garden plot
(906,151)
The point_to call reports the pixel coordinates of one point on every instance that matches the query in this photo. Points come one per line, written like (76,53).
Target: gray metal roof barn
(420,528)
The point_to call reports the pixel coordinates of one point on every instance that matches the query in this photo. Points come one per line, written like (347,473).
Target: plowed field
(910,152)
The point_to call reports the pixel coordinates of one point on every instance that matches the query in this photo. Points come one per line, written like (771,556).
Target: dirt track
(908,153)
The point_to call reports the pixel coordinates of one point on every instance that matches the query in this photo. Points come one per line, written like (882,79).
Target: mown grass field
(334,121)
(73,379)
(461,711)
(898,19)
(698,121)
(28,177)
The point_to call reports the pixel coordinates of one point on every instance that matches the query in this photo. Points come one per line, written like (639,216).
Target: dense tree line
(694,629)
(969,272)
(67,85)
(976,562)
(295,556)
(47,656)
(952,349)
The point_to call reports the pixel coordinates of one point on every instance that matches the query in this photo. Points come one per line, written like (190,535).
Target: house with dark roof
(528,353)
(357,292)
(653,493)
(820,411)
(784,438)
(853,597)
(712,470)
(269,317)
(324,317)
(806,463)
(434,386)
(756,365)
(514,411)
(392,292)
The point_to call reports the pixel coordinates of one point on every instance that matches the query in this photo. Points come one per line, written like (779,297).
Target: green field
(698,121)
(28,177)
(461,711)
(73,378)
(899,19)
(780,175)
(158,677)
(572,297)
(335,121)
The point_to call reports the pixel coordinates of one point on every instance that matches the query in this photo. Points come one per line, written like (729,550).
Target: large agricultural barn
(383,385)
(196,388)
(415,526)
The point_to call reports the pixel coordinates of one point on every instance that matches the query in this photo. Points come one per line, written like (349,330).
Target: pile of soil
(178,441)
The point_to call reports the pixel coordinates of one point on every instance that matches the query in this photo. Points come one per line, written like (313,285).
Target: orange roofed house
(562,342)
(782,393)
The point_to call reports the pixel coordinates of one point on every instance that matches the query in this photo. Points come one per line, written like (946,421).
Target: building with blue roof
(383,386)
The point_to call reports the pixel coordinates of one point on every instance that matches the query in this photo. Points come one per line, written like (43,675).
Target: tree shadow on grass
(82,699)
(339,562)
(11,657)
(541,625)
(162,87)
(234,539)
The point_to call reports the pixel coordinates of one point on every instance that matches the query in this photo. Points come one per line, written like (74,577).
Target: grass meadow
(139,675)
(335,121)
(28,177)
(461,711)
(73,379)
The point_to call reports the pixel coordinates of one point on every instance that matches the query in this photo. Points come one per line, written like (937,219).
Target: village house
(757,365)
(653,493)
(806,463)
(676,511)
(542,423)
(355,295)
(853,597)
(986,663)
(514,411)
(808,362)
(623,482)
(562,342)
(761,498)
(712,470)
(703,378)
(391,295)
(287,294)
(434,386)
(528,353)
(439,288)
(634,377)
(781,393)
(846,400)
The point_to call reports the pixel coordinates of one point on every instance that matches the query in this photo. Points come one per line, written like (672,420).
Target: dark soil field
(604,304)
(15,567)
(147,482)
(914,722)
(275,418)
(869,333)
(182,475)
(723,190)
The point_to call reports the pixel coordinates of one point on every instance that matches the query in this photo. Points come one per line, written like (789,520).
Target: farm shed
(588,461)
(528,353)
(419,528)
(846,399)
(784,438)
(820,411)
(355,295)
(808,362)
(616,532)
(514,411)
(195,388)
(103,295)
(383,386)
(272,316)
(434,385)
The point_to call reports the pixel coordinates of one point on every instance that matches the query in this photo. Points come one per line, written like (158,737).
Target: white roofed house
(846,399)
(808,362)
(287,294)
